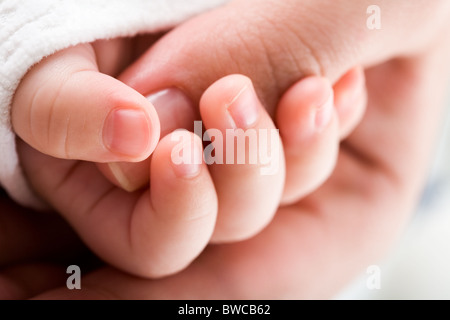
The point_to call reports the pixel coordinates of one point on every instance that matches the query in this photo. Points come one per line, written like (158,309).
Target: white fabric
(33,29)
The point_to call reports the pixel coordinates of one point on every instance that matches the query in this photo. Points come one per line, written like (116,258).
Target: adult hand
(35,250)
(312,248)
(278,43)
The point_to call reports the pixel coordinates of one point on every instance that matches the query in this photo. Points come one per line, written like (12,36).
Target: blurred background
(418,265)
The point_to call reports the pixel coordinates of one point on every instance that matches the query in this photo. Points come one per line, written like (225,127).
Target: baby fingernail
(324,111)
(127,132)
(244,109)
(120,176)
(189,158)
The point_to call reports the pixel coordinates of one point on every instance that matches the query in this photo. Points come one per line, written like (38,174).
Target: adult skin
(316,245)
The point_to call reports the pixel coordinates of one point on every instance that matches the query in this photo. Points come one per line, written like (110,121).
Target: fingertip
(127,133)
(309,129)
(241,132)
(187,155)
(224,92)
(305,110)
(232,103)
(131,129)
(174,110)
(348,88)
(350,99)
(126,175)
(178,167)
(82,114)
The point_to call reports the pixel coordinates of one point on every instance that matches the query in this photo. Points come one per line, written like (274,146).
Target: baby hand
(68,111)
(66,108)
(161,228)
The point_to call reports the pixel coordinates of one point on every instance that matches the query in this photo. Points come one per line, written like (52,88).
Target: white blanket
(33,29)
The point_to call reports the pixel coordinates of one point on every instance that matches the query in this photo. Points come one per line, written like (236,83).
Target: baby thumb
(67,109)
